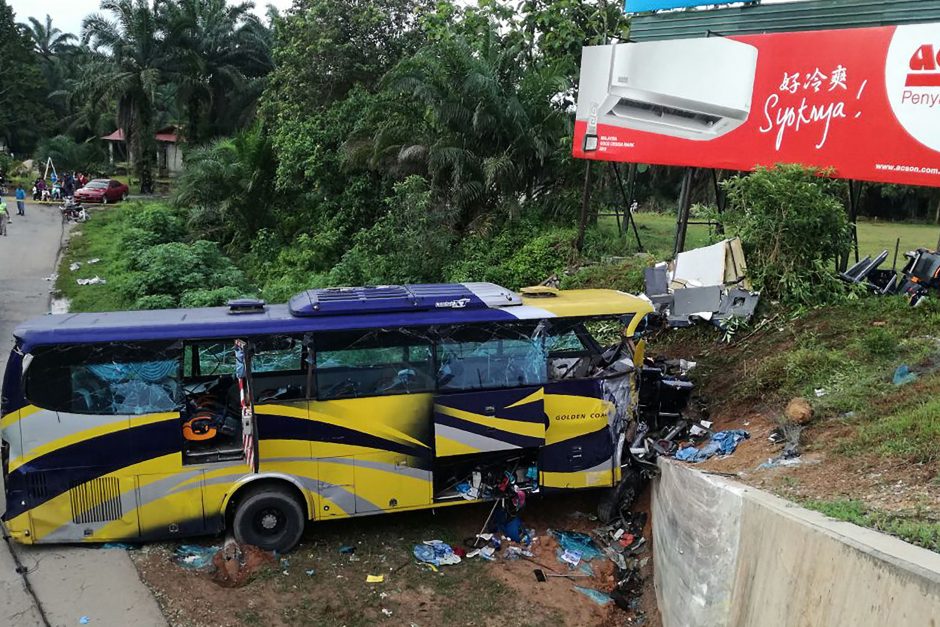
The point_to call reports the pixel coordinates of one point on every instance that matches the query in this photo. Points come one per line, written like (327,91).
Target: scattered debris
(708,283)
(920,275)
(721,443)
(84,620)
(75,266)
(541,576)
(598,597)
(577,544)
(903,375)
(96,280)
(780,460)
(195,556)
(347,550)
(93,261)
(387,612)
(375,578)
(436,553)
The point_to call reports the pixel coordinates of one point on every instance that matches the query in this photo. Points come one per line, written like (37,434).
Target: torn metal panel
(696,301)
(737,303)
(719,264)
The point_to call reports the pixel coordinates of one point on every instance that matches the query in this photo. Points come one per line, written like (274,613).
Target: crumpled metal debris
(708,283)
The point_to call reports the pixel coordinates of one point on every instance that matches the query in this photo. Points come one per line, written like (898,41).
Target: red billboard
(864,102)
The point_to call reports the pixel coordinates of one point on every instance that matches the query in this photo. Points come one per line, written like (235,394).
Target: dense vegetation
(137,65)
(373,141)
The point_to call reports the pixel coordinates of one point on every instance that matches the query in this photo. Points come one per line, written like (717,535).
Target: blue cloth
(577,541)
(903,375)
(723,442)
(21,194)
(437,553)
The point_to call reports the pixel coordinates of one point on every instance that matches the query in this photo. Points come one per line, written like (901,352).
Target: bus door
(281,372)
(490,394)
(371,422)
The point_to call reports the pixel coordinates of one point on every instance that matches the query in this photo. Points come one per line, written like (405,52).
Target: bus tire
(269,518)
(618,499)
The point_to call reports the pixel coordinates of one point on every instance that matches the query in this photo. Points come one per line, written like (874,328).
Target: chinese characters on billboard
(863,102)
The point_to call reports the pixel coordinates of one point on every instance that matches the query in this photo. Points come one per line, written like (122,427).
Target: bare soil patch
(474,592)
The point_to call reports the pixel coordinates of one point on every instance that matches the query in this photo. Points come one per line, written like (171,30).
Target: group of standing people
(61,188)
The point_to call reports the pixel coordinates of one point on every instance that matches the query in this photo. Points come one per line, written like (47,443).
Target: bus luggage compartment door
(488,420)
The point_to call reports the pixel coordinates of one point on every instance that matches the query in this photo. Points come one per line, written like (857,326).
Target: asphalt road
(65,583)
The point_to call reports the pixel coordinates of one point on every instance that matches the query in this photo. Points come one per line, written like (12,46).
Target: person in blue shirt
(20,200)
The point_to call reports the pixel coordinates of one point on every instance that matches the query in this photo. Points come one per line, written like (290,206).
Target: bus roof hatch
(397,298)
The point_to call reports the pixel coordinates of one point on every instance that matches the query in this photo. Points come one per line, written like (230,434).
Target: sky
(67,15)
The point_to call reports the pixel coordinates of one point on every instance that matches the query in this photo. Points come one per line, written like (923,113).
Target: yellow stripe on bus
(15,416)
(516,427)
(89,434)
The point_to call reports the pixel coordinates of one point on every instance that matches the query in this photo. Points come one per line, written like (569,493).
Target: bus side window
(279,372)
(491,356)
(372,363)
(105,379)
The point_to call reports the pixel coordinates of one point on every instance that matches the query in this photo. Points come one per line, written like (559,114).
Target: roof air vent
(246,306)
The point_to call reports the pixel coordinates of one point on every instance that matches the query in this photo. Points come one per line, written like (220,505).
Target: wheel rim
(270,522)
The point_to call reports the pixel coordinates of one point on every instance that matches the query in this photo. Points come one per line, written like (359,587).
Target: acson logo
(924,67)
(912,81)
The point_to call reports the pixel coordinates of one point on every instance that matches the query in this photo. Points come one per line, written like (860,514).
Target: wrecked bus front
(345,402)
(11,401)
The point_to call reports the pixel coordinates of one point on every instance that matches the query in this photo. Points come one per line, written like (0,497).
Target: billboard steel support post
(628,214)
(585,205)
(855,191)
(720,202)
(685,203)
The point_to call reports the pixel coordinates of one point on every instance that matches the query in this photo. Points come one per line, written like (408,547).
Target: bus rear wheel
(270,519)
(616,502)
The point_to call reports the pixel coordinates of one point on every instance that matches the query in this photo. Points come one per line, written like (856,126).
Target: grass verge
(913,528)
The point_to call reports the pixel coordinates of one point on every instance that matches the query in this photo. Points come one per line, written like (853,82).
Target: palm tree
(221,54)
(130,61)
(47,39)
(477,117)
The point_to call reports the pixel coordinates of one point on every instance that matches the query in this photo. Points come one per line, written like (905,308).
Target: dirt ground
(317,585)
(821,474)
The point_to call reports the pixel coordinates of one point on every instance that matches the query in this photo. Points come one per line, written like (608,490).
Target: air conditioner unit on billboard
(690,88)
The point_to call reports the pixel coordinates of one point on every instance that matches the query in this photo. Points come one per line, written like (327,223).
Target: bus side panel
(374,453)
(488,420)
(80,474)
(352,456)
(579,446)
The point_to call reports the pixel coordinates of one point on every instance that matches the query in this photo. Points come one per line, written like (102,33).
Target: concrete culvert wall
(726,554)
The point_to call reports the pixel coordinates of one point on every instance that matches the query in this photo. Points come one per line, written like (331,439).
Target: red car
(103,191)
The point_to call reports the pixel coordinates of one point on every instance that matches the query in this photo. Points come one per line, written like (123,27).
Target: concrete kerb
(727,554)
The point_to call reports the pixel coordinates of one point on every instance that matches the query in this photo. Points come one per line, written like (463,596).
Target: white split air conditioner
(690,88)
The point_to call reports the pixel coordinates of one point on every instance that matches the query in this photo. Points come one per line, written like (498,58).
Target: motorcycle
(73,211)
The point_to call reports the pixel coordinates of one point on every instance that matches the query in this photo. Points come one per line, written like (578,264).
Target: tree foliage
(793,228)
(24,116)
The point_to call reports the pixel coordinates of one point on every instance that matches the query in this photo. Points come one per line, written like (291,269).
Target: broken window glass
(277,354)
(492,356)
(373,363)
(209,359)
(108,379)
(279,369)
